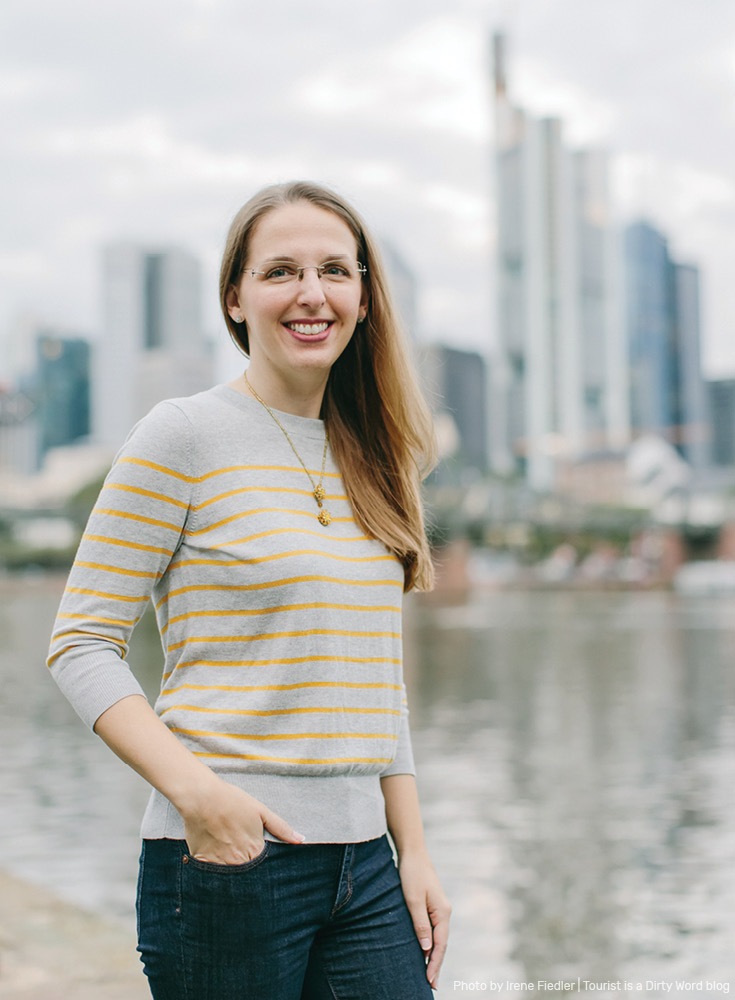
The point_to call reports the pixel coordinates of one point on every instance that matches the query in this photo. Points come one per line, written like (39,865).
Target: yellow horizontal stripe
(282,635)
(310,710)
(139,517)
(322,605)
(288,660)
(82,635)
(128,545)
(290,531)
(278,583)
(106,596)
(139,491)
(285,736)
(263,510)
(264,489)
(280,687)
(126,622)
(280,662)
(160,468)
(115,569)
(218,472)
(278,555)
(295,760)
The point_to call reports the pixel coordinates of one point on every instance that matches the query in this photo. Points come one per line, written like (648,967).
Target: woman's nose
(311,290)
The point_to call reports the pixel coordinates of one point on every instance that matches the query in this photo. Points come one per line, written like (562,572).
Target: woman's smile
(310,329)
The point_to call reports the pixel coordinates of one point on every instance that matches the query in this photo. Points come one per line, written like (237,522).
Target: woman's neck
(302,399)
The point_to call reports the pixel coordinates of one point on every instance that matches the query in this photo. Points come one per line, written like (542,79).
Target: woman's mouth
(309,329)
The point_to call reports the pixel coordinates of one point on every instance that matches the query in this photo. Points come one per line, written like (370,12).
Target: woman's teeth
(307,328)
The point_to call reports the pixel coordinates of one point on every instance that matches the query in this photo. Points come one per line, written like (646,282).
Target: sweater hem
(339,809)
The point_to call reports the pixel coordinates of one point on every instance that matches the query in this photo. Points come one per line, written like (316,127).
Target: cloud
(123,118)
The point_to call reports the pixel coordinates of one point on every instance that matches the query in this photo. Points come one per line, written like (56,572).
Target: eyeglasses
(334,272)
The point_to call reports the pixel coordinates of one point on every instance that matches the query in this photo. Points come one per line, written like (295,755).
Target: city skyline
(158,135)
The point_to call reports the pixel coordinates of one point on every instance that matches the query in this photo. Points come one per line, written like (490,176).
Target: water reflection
(576,756)
(593,736)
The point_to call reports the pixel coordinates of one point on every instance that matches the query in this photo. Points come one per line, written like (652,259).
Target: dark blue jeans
(309,922)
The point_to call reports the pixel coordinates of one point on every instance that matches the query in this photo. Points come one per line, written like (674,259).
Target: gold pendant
(324,517)
(319,494)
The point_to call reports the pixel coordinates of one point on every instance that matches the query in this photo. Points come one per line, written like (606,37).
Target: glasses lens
(332,271)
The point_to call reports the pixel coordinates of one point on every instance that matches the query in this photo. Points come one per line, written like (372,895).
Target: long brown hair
(380,428)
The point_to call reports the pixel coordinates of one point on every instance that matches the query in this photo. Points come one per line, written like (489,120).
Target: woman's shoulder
(196,430)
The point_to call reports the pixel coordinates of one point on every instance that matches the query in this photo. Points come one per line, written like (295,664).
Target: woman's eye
(336,271)
(280,272)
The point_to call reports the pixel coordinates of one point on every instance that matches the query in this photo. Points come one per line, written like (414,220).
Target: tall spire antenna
(499,71)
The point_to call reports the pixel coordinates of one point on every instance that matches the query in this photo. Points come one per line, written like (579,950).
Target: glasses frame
(300,268)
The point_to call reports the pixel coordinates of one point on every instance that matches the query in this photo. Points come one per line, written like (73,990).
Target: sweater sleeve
(130,538)
(403,762)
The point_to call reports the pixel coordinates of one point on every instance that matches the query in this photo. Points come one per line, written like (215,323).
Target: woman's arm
(427,904)
(222,823)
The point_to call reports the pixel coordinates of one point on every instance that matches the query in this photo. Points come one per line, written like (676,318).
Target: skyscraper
(722,406)
(457,383)
(152,345)
(667,391)
(61,389)
(560,376)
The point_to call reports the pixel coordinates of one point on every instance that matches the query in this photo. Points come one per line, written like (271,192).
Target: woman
(275,522)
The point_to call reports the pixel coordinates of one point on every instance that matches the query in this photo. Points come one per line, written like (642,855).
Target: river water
(576,755)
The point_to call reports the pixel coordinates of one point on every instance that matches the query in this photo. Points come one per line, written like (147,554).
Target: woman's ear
(232,301)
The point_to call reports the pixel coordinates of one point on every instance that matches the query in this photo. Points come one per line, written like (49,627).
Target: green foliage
(14,557)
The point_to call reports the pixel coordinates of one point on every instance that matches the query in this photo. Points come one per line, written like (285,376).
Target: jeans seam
(180,928)
(139,893)
(328,979)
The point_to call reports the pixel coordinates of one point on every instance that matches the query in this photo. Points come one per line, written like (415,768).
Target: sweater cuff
(94,682)
(402,763)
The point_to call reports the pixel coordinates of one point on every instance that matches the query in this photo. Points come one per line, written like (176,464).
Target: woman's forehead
(300,227)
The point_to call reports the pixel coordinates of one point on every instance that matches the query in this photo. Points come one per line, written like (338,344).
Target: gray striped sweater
(281,637)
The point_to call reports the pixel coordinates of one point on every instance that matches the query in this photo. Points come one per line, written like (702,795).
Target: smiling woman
(282,704)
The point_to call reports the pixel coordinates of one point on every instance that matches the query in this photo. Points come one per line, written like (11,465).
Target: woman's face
(305,323)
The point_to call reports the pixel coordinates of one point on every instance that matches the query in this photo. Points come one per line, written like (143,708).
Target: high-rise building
(694,414)
(560,375)
(152,345)
(18,433)
(403,286)
(667,392)
(721,394)
(457,383)
(61,389)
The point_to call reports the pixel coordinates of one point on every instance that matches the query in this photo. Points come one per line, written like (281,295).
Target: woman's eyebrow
(286,258)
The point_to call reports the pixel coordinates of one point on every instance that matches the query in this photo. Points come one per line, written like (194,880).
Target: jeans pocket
(215,868)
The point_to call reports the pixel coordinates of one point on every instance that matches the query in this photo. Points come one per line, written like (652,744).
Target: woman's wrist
(191,794)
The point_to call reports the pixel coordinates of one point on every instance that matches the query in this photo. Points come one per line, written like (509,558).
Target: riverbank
(52,950)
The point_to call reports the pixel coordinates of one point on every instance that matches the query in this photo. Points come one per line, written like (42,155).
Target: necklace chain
(318,491)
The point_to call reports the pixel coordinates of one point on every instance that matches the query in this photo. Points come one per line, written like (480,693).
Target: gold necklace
(323,517)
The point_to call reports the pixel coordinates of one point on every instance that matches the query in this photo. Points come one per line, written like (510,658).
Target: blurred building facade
(457,384)
(560,379)
(61,389)
(403,286)
(152,344)
(667,390)
(721,394)
(18,433)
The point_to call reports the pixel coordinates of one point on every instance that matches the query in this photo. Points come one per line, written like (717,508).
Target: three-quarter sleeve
(403,762)
(130,538)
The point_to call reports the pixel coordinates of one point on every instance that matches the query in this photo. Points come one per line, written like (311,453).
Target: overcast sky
(155,120)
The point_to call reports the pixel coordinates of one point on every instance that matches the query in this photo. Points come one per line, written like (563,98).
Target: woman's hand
(429,908)
(224,825)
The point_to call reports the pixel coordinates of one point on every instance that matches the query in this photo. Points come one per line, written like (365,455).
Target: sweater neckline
(312,427)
